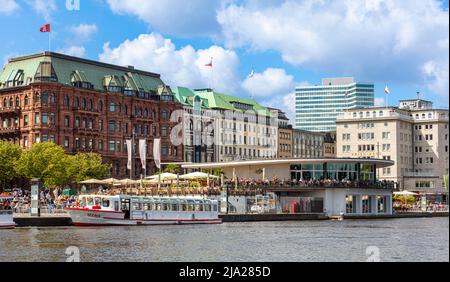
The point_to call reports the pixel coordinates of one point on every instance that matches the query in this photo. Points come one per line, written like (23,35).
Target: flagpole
(50,41)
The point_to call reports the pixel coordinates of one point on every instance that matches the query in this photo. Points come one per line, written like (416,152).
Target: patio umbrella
(405,193)
(109,181)
(164,176)
(198,176)
(92,181)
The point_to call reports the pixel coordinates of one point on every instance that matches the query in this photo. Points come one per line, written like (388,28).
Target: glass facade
(317,107)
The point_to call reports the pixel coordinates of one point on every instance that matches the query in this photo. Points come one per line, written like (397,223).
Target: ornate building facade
(87,106)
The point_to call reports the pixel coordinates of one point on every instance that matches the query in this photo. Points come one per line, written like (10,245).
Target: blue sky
(287,43)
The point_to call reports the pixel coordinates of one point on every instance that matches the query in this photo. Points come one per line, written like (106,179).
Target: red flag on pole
(45,28)
(210,64)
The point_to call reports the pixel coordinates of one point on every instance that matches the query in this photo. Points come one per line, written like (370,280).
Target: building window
(112,126)
(66,142)
(112,107)
(37,118)
(25,120)
(112,146)
(52,119)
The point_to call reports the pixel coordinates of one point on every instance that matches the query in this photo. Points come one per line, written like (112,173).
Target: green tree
(46,161)
(9,155)
(215,171)
(172,168)
(86,166)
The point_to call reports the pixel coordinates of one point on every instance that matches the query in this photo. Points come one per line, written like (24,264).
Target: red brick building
(87,106)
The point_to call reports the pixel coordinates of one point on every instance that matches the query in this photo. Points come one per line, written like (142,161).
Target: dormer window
(112,84)
(15,78)
(79,80)
(46,72)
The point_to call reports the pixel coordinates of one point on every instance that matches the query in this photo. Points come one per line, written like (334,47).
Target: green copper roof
(69,69)
(186,97)
(215,100)
(227,102)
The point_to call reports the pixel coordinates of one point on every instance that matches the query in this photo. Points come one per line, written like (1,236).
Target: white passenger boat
(6,213)
(104,210)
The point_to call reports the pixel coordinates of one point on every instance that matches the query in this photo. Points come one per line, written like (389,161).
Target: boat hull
(7,221)
(88,217)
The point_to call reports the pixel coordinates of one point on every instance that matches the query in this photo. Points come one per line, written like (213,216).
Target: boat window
(165,207)
(174,207)
(105,203)
(207,207)
(90,201)
(116,205)
(198,207)
(97,201)
(158,206)
(215,207)
(183,207)
(190,207)
(83,202)
(147,206)
(137,206)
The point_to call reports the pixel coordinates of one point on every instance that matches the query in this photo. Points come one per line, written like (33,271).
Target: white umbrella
(405,193)
(109,181)
(198,175)
(164,176)
(92,181)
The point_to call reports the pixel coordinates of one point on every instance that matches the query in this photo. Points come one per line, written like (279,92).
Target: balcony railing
(317,184)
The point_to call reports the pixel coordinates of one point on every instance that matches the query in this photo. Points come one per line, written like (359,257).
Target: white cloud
(379,102)
(76,51)
(8,6)
(45,8)
(271,82)
(175,17)
(83,32)
(375,40)
(178,67)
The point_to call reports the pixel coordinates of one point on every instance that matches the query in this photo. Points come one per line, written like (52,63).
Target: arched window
(83,103)
(26,100)
(146,113)
(100,106)
(17,102)
(77,102)
(10,102)
(4,103)
(119,107)
(67,102)
(91,104)
(45,97)
(125,109)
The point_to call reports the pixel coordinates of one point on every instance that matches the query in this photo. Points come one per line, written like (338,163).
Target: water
(418,239)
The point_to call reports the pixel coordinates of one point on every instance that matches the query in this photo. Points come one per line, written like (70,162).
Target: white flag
(157,152)
(143,152)
(130,149)
(252,74)
(386,90)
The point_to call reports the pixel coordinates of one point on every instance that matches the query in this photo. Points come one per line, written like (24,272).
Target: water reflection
(423,239)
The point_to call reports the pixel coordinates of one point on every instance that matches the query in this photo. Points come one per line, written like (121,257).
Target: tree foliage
(86,166)
(9,156)
(55,168)
(172,168)
(46,161)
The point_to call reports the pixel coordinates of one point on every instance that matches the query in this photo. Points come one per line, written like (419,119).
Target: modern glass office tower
(316,107)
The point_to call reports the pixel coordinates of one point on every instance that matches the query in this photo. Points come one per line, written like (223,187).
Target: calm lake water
(420,239)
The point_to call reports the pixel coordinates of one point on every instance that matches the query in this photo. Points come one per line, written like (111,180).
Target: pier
(62,220)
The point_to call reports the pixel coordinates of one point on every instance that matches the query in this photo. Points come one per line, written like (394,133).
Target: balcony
(14,110)
(10,130)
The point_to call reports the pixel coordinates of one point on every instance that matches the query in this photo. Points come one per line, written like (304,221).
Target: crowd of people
(251,183)
(50,201)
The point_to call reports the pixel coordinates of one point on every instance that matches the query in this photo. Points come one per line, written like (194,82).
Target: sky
(287,43)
